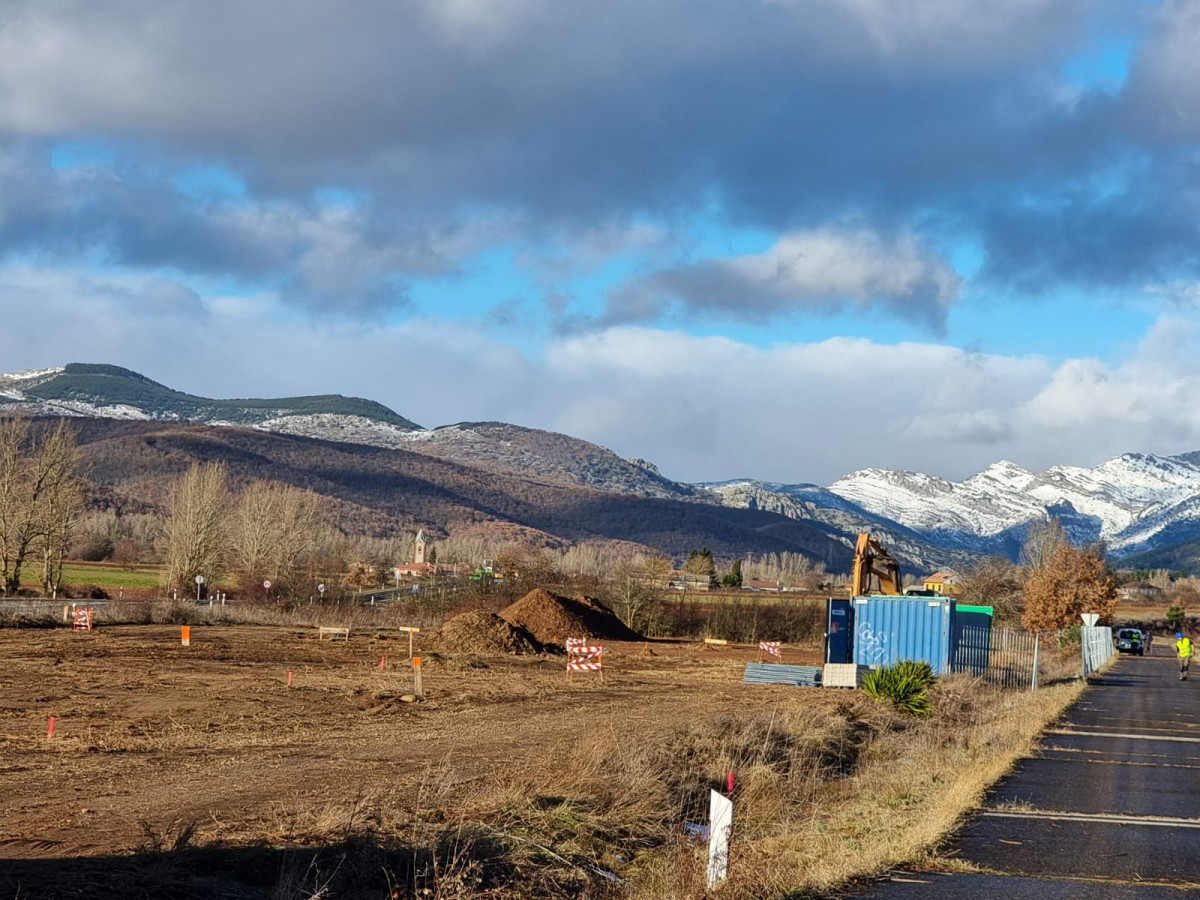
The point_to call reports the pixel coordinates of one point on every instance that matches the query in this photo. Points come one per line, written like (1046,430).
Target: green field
(102,574)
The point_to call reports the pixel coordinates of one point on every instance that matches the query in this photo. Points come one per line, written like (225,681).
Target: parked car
(1131,640)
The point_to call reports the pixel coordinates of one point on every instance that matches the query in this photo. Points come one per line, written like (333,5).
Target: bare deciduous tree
(1042,542)
(40,495)
(631,593)
(657,571)
(794,570)
(995,582)
(194,532)
(273,531)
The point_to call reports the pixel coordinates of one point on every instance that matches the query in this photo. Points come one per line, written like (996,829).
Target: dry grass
(911,784)
(505,782)
(820,800)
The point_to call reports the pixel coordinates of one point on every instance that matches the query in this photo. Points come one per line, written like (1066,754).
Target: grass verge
(828,789)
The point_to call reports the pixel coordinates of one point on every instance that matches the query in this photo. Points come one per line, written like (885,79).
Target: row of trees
(268,531)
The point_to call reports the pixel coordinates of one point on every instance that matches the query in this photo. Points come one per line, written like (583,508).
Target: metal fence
(1000,656)
(1097,641)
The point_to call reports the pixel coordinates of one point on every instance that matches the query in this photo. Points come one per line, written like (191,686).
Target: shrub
(905,685)
(182,615)
(1175,617)
(1070,636)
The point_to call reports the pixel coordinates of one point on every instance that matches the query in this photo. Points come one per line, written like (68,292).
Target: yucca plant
(904,684)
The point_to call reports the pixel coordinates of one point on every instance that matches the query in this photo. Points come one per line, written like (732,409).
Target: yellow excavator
(871,559)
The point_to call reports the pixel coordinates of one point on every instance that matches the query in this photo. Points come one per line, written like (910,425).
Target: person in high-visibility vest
(1183,645)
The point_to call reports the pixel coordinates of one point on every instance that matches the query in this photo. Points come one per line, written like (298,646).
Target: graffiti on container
(872,647)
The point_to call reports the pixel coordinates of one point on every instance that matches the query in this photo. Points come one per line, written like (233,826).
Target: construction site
(545,750)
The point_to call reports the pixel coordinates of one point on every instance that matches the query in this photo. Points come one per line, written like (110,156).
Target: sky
(778,239)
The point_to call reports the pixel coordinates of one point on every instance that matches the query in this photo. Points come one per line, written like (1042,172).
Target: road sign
(267,584)
(1090,619)
(320,589)
(199,579)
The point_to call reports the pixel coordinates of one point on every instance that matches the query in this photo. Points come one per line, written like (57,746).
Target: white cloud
(701,408)
(819,270)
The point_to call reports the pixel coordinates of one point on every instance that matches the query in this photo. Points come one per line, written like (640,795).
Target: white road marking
(1160,821)
(1127,762)
(1113,734)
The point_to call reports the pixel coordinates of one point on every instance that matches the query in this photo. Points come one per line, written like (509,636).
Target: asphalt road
(1108,807)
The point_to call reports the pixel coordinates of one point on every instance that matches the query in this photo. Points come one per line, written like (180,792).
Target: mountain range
(386,470)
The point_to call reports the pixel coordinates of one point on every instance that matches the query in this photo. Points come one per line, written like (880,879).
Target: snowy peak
(1002,475)
(1130,502)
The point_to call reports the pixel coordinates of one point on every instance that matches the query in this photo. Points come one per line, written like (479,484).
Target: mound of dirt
(480,631)
(550,617)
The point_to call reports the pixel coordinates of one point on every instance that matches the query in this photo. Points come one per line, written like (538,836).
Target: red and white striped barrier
(584,657)
(774,648)
(83,618)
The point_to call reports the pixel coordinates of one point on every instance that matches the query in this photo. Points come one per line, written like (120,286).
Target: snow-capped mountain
(1132,503)
(842,519)
(105,391)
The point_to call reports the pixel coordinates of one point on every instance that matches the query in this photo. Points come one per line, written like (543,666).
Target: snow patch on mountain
(29,377)
(78,408)
(338,427)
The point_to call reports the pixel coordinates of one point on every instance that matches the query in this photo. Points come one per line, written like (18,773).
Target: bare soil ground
(149,733)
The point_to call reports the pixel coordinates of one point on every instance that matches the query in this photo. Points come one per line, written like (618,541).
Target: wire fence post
(1037,641)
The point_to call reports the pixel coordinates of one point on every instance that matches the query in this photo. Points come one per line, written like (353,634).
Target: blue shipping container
(889,629)
(971,639)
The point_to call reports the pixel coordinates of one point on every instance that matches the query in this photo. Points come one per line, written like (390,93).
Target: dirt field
(148,732)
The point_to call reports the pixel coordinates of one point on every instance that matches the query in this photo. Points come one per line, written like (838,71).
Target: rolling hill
(1135,503)
(385,492)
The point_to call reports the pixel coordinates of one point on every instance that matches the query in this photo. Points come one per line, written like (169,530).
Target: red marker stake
(50,729)
(289,678)
(382,663)
(729,781)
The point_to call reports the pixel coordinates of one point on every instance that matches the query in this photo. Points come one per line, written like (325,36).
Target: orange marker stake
(418,688)
(50,729)
(185,635)
(289,677)
(382,663)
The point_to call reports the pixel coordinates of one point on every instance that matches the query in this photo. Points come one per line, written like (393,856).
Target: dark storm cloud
(931,115)
(1139,227)
(334,257)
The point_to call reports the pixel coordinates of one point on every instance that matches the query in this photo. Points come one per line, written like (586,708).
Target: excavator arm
(871,558)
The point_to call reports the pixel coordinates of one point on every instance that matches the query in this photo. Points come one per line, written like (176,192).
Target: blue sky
(781,239)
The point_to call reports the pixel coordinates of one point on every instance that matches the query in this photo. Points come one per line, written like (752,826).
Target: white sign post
(720,829)
(1090,619)
(199,581)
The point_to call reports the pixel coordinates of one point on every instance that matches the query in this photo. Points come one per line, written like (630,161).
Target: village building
(946,584)
(420,567)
